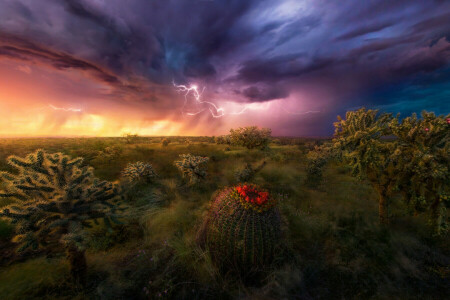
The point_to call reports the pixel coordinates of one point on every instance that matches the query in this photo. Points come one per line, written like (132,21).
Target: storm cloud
(296,55)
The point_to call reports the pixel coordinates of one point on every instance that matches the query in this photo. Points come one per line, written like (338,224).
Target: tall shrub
(251,137)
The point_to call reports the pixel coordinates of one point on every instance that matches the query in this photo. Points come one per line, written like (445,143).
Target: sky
(201,67)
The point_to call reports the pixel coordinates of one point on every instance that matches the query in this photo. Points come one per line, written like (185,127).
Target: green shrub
(192,167)
(222,139)
(111,153)
(317,160)
(251,137)
(56,197)
(139,172)
(242,228)
(130,138)
(248,172)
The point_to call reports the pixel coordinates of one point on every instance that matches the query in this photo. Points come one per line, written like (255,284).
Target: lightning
(216,111)
(65,109)
(302,112)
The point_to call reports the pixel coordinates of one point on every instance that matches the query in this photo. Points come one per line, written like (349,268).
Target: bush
(250,137)
(242,228)
(165,142)
(139,172)
(130,138)
(222,139)
(111,153)
(193,167)
(248,172)
(317,160)
(56,197)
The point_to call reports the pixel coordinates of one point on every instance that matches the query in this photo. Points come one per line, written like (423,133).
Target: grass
(335,247)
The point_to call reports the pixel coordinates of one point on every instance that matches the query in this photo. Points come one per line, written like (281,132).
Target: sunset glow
(102,68)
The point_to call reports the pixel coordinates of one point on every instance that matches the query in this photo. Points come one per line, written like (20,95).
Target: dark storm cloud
(280,68)
(255,50)
(365,29)
(435,22)
(257,94)
(20,49)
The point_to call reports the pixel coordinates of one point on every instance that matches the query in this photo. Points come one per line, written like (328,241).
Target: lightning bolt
(65,109)
(302,113)
(216,112)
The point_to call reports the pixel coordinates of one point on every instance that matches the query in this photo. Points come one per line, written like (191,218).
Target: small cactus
(242,228)
(192,167)
(138,172)
(248,172)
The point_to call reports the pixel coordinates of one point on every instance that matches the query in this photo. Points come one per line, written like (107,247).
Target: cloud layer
(292,65)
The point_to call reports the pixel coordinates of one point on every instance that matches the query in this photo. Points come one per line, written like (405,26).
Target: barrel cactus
(242,228)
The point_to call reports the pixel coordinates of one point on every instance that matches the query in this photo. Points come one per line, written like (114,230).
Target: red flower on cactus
(252,195)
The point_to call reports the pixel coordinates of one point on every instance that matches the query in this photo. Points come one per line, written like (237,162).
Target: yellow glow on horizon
(82,125)
(35,101)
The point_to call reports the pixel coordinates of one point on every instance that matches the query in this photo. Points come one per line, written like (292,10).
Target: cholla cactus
(242,228)
(423,155)
(248,172)
(139,171)
(314,168)
(192,167)
(317,159)
(56,197)
(111,153)
(359,139)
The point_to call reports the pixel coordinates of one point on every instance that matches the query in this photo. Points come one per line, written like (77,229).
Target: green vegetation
(423,155)
(334,244)
(414,161)
(248,172)
(193,167)
(138,172)
(54,199)
(251,137)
